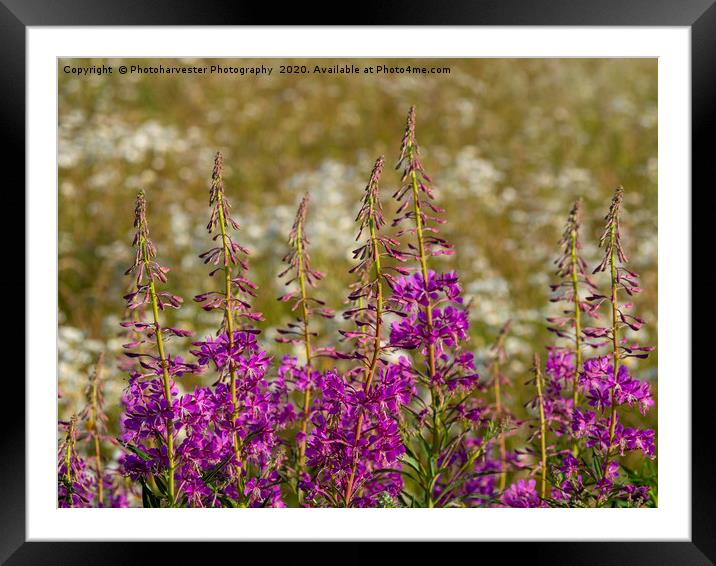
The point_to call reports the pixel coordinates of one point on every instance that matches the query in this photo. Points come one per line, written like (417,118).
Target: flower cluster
(574,280)
(205,456)
(590,474)
(300,332)
(445,415)
(453,369)
(149,418)
(242,439)
(522,493)
(596,430)
(598,381)
(74,483)
(558,406)
(198,447)
(355,443)
(449,322)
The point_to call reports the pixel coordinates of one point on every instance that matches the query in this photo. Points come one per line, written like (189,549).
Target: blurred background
(510,144)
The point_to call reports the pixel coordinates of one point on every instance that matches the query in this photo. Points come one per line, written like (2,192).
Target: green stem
(577,319)
(95,431)
(68,461)
(542,426)
(165,370)
(498,414)
(466,466)
(615,343)
(370,374)
(229,318)
(309,356)
(371,369)
(434,401)
(423,263)
(577,326)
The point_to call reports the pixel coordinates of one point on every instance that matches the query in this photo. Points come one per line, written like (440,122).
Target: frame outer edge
(703,123)
(12,160)
(396,12)
(12,113)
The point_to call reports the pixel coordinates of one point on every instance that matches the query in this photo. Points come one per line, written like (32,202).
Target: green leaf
(209,476)
(149,499)
(401,472)
(413,463)
(225,501)
(134,450)
(426,446)
(597,466)
(161,485)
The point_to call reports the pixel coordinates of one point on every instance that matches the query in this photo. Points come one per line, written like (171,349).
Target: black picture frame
(698,15)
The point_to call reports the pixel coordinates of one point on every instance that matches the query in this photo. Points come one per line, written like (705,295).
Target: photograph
(357,282)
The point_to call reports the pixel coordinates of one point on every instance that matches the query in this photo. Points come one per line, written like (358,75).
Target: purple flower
(521,494)
(598,381)
(334,447)
(75,486)
(449,319)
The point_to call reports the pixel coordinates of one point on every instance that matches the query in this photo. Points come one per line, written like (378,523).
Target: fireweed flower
(454,369)
(522,493)
(538,403)
(570,475)
(343,454)
(622,389)
(554,413)
(208,417)
(434,325)
(109,488)
(598,381)
(416,198)
(159,368)
(555,421)
(200,427)
(205,475)
(300,272)
(606,384)
(355,440)
(74,483)
(564,361)
(558,382)
(241,411)
(117,490)
(572,274)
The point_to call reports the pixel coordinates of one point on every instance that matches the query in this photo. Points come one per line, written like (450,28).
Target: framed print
(407,280)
